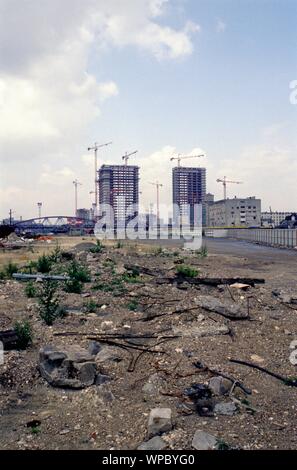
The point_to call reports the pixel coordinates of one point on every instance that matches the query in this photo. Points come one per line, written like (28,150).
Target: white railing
(265,236)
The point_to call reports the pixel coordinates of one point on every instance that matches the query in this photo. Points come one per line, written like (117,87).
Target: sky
(159,76)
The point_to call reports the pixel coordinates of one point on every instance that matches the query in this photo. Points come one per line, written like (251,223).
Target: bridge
(53,224)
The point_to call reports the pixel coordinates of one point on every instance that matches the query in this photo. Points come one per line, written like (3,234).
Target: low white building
(235,212)
(273,219)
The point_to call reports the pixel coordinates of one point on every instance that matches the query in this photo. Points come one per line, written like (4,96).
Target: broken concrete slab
(152,387)
(227,308)
(102,379)
(108,353)
(73,367)
(200,331)
(219,385)
(204,441)
(225,409)
(155,443)
(160,421)
(94,348)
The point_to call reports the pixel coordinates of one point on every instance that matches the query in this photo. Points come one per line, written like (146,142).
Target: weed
(24,334)
(44,264)
(98,248)
(130,277)
(55,256)
(10,269)
(133,305)
(203,252)
(91,306)
(79,272)
(115,286)
(119,244)
(222,445)
(186,271)
(35,430)
(48,301)
(30,290)
(30,268)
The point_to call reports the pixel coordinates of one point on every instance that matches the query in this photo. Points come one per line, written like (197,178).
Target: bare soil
(115,415)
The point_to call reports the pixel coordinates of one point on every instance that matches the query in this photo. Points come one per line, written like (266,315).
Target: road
(227,246)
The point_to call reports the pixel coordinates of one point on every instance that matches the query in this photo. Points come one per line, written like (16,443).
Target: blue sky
(173,77)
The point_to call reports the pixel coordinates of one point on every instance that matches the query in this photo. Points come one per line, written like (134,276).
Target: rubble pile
(151,356)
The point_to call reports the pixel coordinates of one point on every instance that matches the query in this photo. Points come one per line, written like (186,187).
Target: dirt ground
(115,415)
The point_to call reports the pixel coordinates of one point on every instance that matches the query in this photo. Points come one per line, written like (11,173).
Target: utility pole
(39,205)
(158,186)
(76,184)
(95,148)
(225,181)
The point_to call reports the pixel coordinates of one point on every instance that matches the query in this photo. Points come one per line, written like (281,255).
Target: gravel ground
(115,415)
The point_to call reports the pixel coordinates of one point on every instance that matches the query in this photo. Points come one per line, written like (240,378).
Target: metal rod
(40,276)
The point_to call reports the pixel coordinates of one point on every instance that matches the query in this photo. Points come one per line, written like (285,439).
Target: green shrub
(24,334)
(186,271)
(130,277)
(119,244)
(55,255)
(30,268)
(115,286)
(222,445)
(79,272)
(98,248)
(73,286)
(30,290)
(203,252)
(133,305)
(44,264)
(91,306)
(48,301)
(9,269)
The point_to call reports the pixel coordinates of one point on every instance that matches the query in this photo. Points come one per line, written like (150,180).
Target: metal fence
(266,236)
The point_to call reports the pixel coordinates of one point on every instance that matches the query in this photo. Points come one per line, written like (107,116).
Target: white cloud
(49,99)
(267,171)
(56,177)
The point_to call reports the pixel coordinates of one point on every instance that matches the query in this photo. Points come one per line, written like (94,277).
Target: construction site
(129,345)
(148,232)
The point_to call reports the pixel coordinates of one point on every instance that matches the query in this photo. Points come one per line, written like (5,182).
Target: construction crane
(225,181)
(158,186)
(76,184)
(180,157)
(95,148)
(127,155)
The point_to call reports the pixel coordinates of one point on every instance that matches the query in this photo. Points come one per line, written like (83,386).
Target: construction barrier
(266,236)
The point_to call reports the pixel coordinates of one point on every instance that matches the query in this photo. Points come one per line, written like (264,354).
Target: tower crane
(180,157)
(158,186)
(225,181)
(95,148)
(127,155)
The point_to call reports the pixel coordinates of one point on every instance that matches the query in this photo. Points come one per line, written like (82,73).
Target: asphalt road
(227,246)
